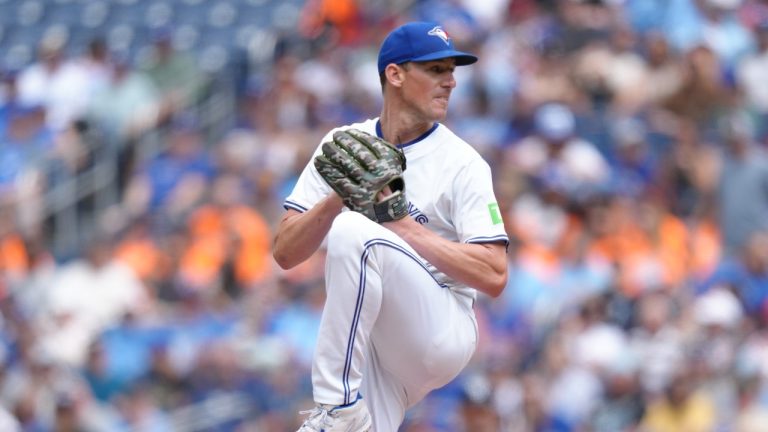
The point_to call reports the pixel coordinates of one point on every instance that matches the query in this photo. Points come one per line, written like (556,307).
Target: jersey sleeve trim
(290,205)
(493,239)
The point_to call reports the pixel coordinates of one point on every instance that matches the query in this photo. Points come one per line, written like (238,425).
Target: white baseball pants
(389,330)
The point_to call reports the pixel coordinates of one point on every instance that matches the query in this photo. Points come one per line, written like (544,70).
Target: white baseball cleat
(347,418)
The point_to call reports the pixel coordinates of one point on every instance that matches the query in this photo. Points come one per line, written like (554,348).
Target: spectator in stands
(656,342)
(56,83)
(25,145)
(743,194)
(554,154)
(746,273)
(752,414)
(96,64)
(173,182)
(127,106)
(682,408)
(175,74)
(476,410)
(632,164)
(750,76)
(14,260)
(103,385)
(230,242)
(9,96)
(85,297)
(136,411)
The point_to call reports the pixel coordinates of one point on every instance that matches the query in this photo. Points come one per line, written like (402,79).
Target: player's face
(428,87)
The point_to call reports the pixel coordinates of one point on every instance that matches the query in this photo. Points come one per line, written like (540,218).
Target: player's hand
(366,172)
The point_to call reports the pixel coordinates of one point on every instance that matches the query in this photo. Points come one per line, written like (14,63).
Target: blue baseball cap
(420,41)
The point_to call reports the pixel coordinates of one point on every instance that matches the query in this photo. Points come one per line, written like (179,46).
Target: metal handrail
(60,201)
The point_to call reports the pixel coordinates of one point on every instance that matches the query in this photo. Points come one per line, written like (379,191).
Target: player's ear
(395,74)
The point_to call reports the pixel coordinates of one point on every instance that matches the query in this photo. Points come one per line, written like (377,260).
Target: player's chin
(439,112)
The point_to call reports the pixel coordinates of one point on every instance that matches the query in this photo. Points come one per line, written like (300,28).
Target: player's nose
(449,81)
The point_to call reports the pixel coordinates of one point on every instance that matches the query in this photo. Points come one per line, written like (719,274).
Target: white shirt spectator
(751,74)
(84,300)
(62,87)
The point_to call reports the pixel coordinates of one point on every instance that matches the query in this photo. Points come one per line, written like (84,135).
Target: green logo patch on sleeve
(493,209)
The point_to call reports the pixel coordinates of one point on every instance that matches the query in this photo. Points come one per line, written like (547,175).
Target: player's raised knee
(349,230)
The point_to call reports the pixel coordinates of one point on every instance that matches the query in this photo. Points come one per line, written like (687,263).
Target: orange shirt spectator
(13,256)
(218,234)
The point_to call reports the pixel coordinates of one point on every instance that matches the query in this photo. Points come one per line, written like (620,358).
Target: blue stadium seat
(120,37)
(7,12)
(284,15)
(221,14)
(158,14)
(192,14)
(256,15)
(24,34)
(126,13)
(65,13)
(17,56)
(94,14)
(213,58)
(218,36)
(186,37)
(30,12)
(247,36)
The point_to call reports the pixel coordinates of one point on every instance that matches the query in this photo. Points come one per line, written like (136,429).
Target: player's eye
(440,69)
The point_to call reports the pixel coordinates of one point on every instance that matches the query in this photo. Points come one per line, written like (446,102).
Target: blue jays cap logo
(419,41)
(439,32)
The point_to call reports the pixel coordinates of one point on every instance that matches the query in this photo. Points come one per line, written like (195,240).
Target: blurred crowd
(628,141)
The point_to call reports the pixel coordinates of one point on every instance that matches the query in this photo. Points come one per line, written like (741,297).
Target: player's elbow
(493,275)
(283,258)
(497,284)
(494,283)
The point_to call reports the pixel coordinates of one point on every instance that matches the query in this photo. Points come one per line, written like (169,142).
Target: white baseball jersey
(447,183)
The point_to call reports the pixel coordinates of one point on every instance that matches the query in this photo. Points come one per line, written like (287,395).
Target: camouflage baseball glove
(358,166)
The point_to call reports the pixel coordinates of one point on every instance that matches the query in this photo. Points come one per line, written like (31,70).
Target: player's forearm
(480,266)
(300,234)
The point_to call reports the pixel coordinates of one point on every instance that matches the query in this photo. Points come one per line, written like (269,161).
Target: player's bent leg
(382,300)
(425,333)
(353,297)
(385,392)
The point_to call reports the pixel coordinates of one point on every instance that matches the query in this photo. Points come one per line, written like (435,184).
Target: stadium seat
(186,37)
(120,37)
(68,13)
(30,12)
(192,14)
(158,14)
(7,12)
(221,14)
(16,56)
(257,15)
(94,14)
(127,13)
(24,34)
(284,15)
(213,58)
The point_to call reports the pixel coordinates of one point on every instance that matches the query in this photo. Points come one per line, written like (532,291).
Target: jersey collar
(409,143)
